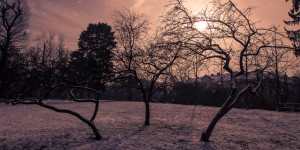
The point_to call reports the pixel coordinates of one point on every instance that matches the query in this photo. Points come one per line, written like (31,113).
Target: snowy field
(120,124)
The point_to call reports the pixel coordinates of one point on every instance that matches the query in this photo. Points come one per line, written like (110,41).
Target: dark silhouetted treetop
(294,13)
(294,36)
(92,62)
(14,18)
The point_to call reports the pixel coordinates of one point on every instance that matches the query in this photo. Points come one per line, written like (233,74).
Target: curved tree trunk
(95,111)
(89,122)
(227,106)
(86,121)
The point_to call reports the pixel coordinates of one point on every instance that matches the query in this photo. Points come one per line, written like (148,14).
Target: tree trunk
(95,130)
(3,85)
(147,117)
(88,122)
(130,94)
(95,111)
(223,110)
(231,101)
(206,134)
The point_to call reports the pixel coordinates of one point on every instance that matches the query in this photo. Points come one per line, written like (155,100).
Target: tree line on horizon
(125,54)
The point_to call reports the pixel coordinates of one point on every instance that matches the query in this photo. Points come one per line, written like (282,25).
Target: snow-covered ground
(120,124)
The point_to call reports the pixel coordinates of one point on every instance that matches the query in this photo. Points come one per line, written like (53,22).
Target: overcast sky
(70,17)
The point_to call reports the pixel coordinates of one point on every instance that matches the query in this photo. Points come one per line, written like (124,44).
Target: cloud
(70,17)
(138,3)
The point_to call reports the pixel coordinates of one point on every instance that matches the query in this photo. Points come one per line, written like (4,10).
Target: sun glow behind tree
(201,25)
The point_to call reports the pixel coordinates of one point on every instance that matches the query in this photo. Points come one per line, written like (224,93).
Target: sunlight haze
(70,17)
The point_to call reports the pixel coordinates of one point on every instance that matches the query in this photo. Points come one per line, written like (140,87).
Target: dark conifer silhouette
(294,35)
(92,62)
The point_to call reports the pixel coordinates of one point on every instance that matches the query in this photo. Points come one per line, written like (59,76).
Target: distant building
(225,79)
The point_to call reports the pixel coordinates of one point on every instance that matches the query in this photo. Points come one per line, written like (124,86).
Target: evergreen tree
(92,62)
(294,35)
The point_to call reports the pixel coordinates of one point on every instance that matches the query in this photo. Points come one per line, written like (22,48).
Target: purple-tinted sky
(70,17)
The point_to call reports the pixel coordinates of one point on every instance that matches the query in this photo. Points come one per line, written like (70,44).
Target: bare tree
(131,32)
(45,72)
(278,62)
(142,61)
(42,101)
(14,16)
(230,36)
(45,63)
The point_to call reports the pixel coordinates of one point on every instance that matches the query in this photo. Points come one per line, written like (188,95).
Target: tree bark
(227,106)
(95,111)
(88,122)
(147,115)
(3,63)
(223,110)
(206,134)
